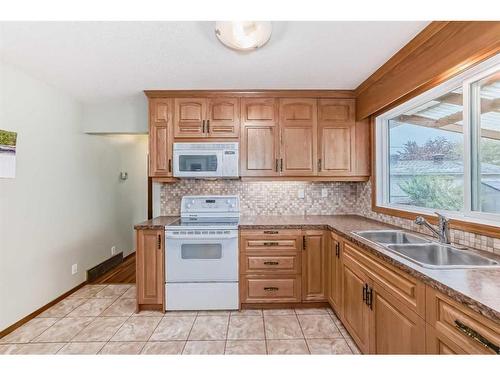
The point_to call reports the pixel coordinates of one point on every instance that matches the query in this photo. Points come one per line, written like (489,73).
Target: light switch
(301,194)
(324,193)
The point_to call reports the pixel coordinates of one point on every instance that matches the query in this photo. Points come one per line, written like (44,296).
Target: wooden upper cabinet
(207,118)
(150,268)
(189,119)
(160,137)
(298,127)
(259,147)
(223,120)
(314,266)
(336,123)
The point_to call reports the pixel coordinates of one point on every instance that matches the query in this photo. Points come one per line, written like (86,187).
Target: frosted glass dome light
(243,35)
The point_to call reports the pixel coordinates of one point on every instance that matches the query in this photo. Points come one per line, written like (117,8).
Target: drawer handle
(271,289)
(271,243)
(271,263)
(271,232)
(476,336)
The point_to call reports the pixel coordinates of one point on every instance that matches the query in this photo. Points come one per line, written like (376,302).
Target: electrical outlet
(74,269)
(324,193)
(301,194)
(113,250)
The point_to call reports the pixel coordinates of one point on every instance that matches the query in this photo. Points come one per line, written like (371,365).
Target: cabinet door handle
(477,337)
(271,263)
(271,289)
(277,165)
(303,242)
(170,165)
(281,165)
(159,242)
(208,126)
(365,289)
(337,250)
(369,297)
(271,243)
(271,232)
(203,126)
(319,165)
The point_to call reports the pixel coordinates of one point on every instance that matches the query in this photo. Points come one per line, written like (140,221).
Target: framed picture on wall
(7,154)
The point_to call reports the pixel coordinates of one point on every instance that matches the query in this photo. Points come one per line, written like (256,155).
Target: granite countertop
(479,289)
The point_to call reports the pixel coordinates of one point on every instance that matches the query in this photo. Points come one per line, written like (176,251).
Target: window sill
(460,224)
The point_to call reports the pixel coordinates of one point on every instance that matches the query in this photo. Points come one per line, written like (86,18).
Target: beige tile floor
(101,319)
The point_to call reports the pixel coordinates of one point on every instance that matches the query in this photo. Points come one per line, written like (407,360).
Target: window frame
(380,201)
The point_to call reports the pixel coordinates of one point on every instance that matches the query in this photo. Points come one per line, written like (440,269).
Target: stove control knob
(189,205)
(232,205)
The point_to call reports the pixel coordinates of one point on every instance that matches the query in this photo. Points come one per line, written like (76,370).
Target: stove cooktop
(209,223)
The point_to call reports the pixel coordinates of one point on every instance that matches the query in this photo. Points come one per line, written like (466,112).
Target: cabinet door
(150,276)
(314,266)
(355,311)
(259,137)
(190,116)
(335,274)
(298,127)
(437,343)
(223,120)
(160,137)
(395,329)
(336,123)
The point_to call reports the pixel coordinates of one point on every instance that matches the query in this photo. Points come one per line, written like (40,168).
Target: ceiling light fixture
(243,35)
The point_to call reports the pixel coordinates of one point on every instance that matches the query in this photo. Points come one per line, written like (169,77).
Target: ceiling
(95,61)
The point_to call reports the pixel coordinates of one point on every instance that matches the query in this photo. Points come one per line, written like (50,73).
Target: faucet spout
(443,231)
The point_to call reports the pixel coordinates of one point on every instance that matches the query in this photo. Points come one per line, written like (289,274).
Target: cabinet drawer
(271,240)
(401,285)
(277,263)
(471,332)
(270,289)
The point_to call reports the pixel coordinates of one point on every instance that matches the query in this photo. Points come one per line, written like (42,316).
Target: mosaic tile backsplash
(282,198)
(267,197)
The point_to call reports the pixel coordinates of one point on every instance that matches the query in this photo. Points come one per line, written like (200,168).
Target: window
(441,150)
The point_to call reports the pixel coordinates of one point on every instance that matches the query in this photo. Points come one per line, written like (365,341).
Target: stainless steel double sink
(424,252)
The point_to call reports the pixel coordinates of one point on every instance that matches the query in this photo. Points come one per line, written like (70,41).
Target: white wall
(125,115)
(66,204)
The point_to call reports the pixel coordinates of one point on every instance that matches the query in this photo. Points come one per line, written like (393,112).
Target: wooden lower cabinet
(314,266)
(355,312)
(437,343)
(334,273)
(456,323)
(150,269)
(270,288)
(394,328)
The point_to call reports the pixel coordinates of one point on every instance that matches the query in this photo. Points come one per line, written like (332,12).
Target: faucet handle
(419,220)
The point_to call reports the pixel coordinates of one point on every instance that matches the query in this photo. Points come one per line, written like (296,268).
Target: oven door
(198,163)
(201,260)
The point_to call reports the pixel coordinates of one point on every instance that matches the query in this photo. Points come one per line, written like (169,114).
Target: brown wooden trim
(165,179)
(453,47)
(309,178)
(403,53)
(27,318)
(467,226)
(150,198)
(156,307)
(287,305)
(250,93)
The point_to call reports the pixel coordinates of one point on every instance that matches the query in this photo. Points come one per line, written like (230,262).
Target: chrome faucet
(443,231)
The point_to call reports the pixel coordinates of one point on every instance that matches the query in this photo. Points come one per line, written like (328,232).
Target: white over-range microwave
(206,160)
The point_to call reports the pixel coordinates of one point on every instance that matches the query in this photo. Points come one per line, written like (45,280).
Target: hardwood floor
(124,273)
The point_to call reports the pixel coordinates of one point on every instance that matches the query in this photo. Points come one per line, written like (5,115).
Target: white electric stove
(202,255)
